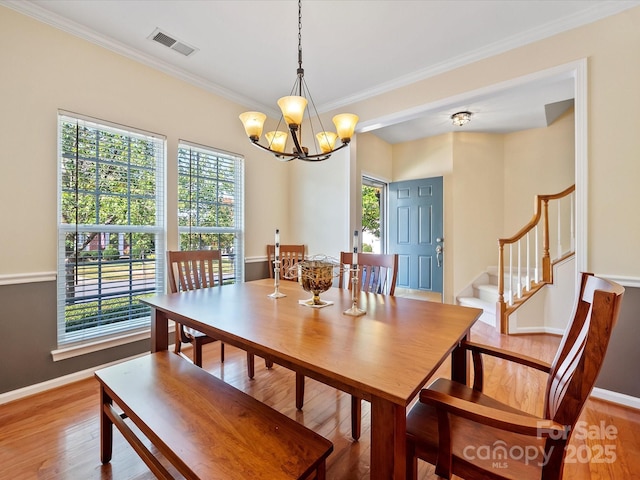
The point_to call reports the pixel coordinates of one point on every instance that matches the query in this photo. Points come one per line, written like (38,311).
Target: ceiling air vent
(168,41)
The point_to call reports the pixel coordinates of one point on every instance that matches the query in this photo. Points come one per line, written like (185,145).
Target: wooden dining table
(385,356)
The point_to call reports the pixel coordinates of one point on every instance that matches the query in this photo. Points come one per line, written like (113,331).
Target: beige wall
(610,47)
(108,86)
(487,180)
(425,158)
(374,157)
(428,157)
(45,70)
(320,206)
(472,169)
(536,161)
(478,187)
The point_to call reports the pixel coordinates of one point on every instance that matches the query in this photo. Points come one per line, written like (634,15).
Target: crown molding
(597,12)
(32,10)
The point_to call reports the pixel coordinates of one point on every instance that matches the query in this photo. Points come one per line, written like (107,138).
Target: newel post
(501,307)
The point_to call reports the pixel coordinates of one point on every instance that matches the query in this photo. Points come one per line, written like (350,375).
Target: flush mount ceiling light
(461,118)
(293,110)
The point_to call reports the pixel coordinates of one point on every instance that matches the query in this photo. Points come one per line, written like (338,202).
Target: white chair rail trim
(18,278)
(624,281)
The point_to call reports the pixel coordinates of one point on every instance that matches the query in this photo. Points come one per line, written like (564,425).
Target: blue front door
(416,232)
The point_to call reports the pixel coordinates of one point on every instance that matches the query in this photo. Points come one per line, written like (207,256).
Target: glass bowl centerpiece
(316,276)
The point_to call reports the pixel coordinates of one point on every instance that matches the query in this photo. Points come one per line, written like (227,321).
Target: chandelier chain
(299,35)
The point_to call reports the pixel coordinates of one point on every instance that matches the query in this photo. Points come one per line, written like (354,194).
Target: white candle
(355,247)
(277,244)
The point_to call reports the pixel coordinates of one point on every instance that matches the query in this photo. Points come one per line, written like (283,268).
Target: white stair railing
(564,231)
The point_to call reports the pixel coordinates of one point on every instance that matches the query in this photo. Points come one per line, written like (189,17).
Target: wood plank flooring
(55,435)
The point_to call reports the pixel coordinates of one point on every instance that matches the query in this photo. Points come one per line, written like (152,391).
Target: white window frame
(370,181)
(139,322)
(194,151)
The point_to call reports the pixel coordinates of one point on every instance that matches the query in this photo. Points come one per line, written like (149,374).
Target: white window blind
(111,232)
(210,204)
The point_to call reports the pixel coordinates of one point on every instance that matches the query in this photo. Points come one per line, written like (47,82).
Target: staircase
(483,293)
(545,313)
(525,261)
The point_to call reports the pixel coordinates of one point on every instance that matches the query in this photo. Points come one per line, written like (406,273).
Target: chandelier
(293,109)
(461,118)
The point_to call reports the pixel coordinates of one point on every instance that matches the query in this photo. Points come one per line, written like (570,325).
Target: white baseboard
(60,381)
(534,330)
(615,397)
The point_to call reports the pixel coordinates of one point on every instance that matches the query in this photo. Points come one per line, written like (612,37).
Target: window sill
(103,344)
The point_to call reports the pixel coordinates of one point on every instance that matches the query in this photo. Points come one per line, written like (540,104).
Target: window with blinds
(210,205)
(111,232)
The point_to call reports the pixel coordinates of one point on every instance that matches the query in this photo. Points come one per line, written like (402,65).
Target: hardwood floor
(55,435)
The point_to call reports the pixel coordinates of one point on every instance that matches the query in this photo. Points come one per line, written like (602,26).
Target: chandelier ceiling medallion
(293,110)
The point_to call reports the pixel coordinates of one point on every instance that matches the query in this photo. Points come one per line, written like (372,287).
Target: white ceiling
(352,49)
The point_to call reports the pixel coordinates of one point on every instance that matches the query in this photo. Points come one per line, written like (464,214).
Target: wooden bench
(204,427)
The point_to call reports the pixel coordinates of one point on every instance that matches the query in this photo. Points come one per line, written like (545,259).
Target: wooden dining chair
(378,274)
(464,432)
(191,270)
(290,256)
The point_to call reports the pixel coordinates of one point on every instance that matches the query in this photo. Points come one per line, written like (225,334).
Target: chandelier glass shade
(293,109)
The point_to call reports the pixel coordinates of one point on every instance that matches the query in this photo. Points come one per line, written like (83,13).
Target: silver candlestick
(276,280)
(354,311)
